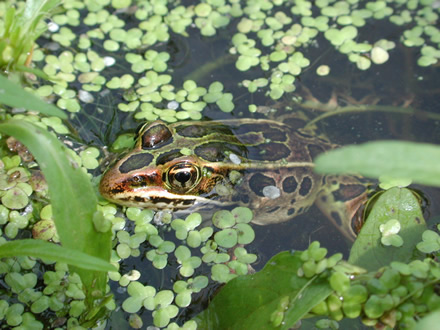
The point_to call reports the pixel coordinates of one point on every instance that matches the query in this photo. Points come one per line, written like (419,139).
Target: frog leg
(340,199)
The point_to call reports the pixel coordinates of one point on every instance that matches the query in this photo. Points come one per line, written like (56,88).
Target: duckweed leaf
(242,214)
(221,273)
(226,238)
(72,197)
(245,233)
(183,299)
(396,204)
(387,182)
(223,219)
(430,243)
(397,159)
(245,303)
(14,96)
(41,249)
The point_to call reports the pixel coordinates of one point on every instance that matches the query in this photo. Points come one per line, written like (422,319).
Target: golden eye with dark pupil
(182,177)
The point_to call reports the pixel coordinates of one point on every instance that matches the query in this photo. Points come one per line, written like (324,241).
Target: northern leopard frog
(262,164)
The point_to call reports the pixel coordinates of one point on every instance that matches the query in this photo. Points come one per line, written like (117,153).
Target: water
(399,83)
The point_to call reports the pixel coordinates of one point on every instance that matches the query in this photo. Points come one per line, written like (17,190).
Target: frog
(263,164)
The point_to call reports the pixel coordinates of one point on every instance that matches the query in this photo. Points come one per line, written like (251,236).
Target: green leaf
(14,96)
(72,197)
(430,321)
(397,159)
(42,249)
(396,203)
(262,300)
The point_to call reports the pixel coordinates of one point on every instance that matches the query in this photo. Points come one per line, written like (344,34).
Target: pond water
(399,100)
(399,83)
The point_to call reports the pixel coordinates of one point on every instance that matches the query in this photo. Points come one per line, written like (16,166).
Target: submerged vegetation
(110,64)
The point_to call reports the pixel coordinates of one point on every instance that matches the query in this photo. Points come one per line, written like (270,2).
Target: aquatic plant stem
(335,111)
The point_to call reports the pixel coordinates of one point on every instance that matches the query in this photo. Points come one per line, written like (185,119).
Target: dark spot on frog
(251,138)
(324,199)
(244,198)
(198,131)
(174,201)
(139,199)
(417,219)
(269,151)
(258,181)
(294,123)
(335,216)
(275,135)
(273,209)
(290,184)
(216,151)
(293,201)
(167,156)
(155,136)
(117,190)
(135,162)
(291,211)
(349,191)
(315,150)
(306,186)
(304,134)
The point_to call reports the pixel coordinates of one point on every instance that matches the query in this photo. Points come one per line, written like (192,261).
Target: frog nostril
(137,181)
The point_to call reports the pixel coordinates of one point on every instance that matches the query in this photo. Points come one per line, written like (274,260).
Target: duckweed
(389,232)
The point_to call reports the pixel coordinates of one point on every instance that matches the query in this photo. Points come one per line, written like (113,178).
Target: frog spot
(273,209)
(258,182)
(290,184)
(314,150)
(348,192)
(306,186)
(135,162)
(335,216)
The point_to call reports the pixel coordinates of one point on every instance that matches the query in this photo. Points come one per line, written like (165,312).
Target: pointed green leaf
(72,197)
(399,204)
(15,96)
(273,298)
(42,249)
(397,159)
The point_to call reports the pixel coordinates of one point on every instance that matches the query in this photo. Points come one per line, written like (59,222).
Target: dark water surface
(398,82)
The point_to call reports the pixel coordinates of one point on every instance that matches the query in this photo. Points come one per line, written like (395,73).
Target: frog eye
(182,177)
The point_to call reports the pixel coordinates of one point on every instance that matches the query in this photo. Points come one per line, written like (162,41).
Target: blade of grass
(14,96)
(42,249)
(72,197)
